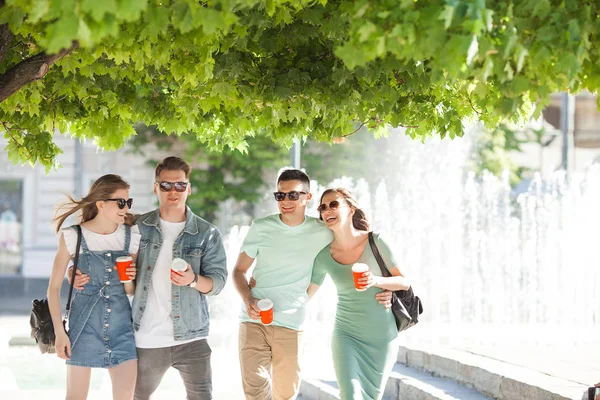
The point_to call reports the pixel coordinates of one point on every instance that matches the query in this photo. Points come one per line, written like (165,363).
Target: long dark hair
(359,219)
(101,190)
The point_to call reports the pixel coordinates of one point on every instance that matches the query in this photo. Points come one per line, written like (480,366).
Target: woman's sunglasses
(167,186)
(122,202)
(293,195)
(334,205)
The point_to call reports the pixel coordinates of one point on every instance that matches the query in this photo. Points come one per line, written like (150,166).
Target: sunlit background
(498,230)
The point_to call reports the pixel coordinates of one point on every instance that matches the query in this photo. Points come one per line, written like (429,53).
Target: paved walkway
(27,374)
(569,353)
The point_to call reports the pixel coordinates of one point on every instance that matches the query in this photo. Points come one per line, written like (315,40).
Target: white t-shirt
(156,326)
(99,242)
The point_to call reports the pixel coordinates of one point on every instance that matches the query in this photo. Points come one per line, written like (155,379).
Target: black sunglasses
(334,205)
(167,186)
(293,195)
(121,202)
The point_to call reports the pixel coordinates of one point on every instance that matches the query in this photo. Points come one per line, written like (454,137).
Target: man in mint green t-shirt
(284,246)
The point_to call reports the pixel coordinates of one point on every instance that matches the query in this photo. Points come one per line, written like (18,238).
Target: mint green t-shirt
(284,261)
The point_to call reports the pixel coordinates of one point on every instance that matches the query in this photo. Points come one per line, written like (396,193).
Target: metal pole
(567,125)
(78,175)
(295,154)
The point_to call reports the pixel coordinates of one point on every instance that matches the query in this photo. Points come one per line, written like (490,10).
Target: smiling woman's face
(110,209)
(335,216)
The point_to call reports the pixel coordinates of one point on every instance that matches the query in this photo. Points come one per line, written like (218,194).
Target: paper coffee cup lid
(360,267)
(178,264)
(125,258)
(265,304)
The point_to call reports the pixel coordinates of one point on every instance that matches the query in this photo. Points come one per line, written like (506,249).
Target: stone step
(410,383)
(491,377)
(405,383)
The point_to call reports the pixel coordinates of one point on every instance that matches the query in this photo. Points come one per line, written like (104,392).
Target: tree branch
(472,106)
(8,130)
(29,70)
(354,131)
(6,37)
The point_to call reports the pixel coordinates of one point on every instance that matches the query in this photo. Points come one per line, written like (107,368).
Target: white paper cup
(178,265)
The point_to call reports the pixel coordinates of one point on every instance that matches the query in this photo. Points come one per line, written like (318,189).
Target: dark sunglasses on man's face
(293,195)
(334,205)
(167,186)
(122,202)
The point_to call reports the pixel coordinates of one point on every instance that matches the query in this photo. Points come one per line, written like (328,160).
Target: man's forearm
(241,284)
(205,284)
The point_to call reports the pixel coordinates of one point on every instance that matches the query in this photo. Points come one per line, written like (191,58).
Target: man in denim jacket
(170,311)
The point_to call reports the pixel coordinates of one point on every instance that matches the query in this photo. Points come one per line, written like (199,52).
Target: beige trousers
(270,361)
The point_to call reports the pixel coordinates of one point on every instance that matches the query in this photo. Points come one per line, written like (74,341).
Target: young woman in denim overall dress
(100,331)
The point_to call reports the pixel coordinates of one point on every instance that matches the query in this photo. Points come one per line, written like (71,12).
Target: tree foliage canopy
(217,176)
(224,70)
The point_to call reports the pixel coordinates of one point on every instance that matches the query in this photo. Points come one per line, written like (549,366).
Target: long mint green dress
(363,344)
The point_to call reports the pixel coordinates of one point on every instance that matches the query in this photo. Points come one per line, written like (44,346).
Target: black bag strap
(75,262)
(384,271)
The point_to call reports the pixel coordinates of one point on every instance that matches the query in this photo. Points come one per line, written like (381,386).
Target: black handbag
(406,307)
(40,320)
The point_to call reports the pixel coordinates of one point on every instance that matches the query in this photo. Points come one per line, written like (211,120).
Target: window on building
(11,253)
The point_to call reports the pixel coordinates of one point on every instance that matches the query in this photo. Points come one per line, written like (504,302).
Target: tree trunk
(29,70)
(6,38)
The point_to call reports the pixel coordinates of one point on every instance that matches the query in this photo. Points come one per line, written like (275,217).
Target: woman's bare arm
(61,261)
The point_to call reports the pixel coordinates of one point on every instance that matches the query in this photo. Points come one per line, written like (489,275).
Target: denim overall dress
(100,327)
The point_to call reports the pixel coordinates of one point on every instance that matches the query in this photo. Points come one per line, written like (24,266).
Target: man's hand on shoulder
(81,279)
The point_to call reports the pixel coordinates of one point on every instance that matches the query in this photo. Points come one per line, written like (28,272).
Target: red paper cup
(122,264)
(266,311)
(178,265)
(358,271)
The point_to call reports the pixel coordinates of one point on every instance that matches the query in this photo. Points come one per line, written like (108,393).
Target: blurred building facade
(29,197)
(572,135)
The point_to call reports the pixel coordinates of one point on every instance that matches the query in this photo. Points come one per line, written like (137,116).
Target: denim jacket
(199,244)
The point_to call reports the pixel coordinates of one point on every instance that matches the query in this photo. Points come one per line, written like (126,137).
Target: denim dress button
(109,270)
(107,282)
(109,310)
(108,254)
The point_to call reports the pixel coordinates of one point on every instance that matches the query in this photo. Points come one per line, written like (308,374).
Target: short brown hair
(173,164)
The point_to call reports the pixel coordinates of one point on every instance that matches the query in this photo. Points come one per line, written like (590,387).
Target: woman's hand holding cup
(124,266)
(131,272)
(363,278)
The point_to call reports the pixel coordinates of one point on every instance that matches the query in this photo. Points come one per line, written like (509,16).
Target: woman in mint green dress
(363,345)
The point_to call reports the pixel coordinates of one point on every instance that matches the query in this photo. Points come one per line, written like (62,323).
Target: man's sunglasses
(167,186)
(293,195)
(334,205)
(122,202)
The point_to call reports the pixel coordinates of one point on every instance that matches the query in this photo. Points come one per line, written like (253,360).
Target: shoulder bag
(406,307)
(40,320)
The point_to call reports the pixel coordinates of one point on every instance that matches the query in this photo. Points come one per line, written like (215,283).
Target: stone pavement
(27,374)
(571,353)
